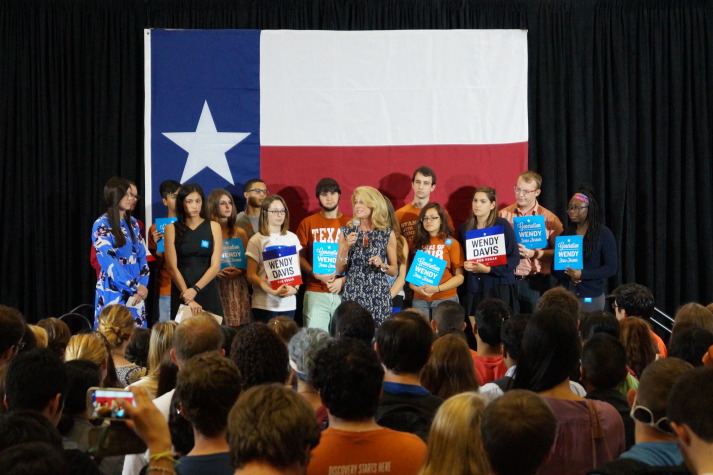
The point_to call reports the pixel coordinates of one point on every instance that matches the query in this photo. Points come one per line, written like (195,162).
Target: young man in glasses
(533,272)
(656,444)
(255,193)
(322,295)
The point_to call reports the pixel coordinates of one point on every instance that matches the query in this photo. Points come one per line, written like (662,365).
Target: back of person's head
(167,375)
(116,323)
(12,327)
(454,441)
(404,342)
(40,336)
(450,369)
(207,387)
(34,379)
(81,375)
(449,317)
(167,187)
(87,346)
(229,333)
(348,376)
(303,349)
(352,320)
(635,299)
(690,344)
(58,334)
(604,361)
(196,335)
(137,351)
(490,314)
(512,334)
(561,299)
(18,427)
(160,344)
(284,327)
(33,458)
(550,350)
(692,314)
(655,385)
(598,322)
(261,356)
(272,424)
(519,429)
(640,346)
(689,402)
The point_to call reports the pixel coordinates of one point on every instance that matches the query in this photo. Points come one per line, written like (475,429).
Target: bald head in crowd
(196,335)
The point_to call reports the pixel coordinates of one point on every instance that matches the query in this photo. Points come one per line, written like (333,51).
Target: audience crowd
(425,386)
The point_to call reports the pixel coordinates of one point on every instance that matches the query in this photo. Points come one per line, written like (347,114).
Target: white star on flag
(206,147)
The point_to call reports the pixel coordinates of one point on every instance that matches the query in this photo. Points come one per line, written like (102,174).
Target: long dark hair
(213,206)
(493,198)
(114,191)
(594,220)
(422,237)
(183,192)
(550,351)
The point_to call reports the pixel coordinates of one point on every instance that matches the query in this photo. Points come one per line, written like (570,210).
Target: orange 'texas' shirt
(450,251)
(317,228)
(408,219)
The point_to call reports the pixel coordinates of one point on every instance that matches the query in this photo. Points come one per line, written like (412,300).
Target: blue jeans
(427,306)
(164,308)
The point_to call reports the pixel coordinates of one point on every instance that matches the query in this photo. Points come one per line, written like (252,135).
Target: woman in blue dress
(367,253)
(121,253)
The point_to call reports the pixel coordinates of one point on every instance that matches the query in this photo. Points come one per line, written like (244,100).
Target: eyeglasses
(520,191)
(278,212)
(576,208)
(430,218)
(644,415)
(259,191)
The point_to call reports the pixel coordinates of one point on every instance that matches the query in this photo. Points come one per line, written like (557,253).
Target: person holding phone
(192,249)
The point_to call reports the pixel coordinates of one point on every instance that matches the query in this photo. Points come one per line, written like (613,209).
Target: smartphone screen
(103,403)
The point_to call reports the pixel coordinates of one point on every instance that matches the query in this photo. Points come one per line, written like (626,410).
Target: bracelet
(152,468)
(343,259)
(169,454)
(439,288)
(384,269)
(196,288)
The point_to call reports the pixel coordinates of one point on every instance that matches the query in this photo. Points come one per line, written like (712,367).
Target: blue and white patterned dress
(365,283)
(122,269)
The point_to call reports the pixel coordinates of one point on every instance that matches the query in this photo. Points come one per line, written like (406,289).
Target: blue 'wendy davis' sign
(530,231)
(568,252)
(426,269)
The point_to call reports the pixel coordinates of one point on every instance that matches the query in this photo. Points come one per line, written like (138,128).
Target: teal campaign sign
(161,224)
(233,254)
(569,252)
(324,257)
(426,269)
(530,231)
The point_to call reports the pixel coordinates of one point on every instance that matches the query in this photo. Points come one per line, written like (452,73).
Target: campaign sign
(486,246)
(160,227)
(282,266)
(568,252)
(426,269)
(233,254)
(530,231)
(324,257)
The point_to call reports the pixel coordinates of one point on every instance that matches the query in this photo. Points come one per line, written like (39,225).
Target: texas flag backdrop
(362,107)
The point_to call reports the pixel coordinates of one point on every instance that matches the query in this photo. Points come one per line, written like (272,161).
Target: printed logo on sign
(568,252)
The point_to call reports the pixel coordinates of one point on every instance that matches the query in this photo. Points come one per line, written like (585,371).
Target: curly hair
(640,346)
(594,220)
(116,323)
(260,355)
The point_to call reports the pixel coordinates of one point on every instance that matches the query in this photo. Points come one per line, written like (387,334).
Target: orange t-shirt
(164,277)
(663,351)
(375,451)
(408,219)
(317,228)
(450,251)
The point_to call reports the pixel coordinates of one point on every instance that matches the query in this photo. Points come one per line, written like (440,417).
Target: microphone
(355,223)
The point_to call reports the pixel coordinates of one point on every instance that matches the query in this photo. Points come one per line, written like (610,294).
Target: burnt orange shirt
(317,228)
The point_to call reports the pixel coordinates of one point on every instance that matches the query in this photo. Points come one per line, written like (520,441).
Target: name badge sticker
(205,244)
